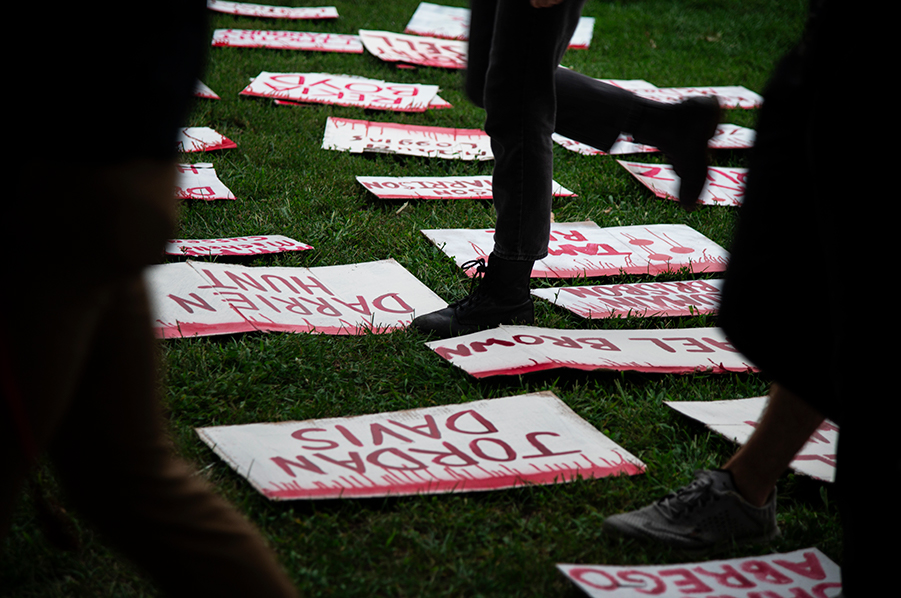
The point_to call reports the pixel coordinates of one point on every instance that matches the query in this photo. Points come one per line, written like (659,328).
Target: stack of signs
(201,90)
(727,136)
(579,249)
(738,418)
(413,49)
(803,573)
(453,187)
(202,139)
(234,246)
(342,90)
(358,136)
(201,299)
(272,12)
(199,181)
(287,40)
(483,445)
(725,185)
(452,22)
(639,300)
(514,350)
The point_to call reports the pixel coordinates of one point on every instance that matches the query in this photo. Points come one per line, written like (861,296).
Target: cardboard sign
(342,90)
(255,245)
(452,22)
(482,445)
(358,136)
(805,573)
(202,299)
(733,96)
(199,181)
(413,49)
(287,40)
(725,186)
(737,419)
(436,104)
(201,90)
(450,187)
(641,300)
(584,249)
(727,136)
(202,139)
(272,12)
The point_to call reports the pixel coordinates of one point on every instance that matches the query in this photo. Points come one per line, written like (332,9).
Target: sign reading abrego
(483,445)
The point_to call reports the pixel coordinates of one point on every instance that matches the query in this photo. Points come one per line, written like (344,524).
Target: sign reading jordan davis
(482,445)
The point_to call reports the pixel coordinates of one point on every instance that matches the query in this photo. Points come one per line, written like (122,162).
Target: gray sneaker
(704,514)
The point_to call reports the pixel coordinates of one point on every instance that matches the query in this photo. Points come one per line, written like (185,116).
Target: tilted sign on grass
(483,445)
(342,90)
(725,185)
(358,136)
(584,249)
(272,12)
(199,181)
(805,573)
(644,299)
(453,187)
(201,299)
(737,419)
(452,22)
(202,139)
(202,90)
(413,49)
(234,246)
(513,350)
(727,136)
(287,40)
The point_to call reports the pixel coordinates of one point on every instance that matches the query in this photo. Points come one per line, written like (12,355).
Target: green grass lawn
(501,543)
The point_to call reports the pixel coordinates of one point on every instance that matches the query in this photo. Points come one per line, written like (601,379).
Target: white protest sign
(450,187)
(514,350)
(644,299)
(357,136)
(200,299)
(452,22)
(805,573)
(272,12)
(482,445)
(584,249)
(727,136)
(201,90)
(287,40)
(725,186)
(736,420)
(436,104)
(413,49)
(202,139)
(342,90)
(254,245)
(199,181)
(732,96)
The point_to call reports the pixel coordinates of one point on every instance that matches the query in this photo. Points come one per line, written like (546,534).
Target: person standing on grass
(515,48)
(77,354)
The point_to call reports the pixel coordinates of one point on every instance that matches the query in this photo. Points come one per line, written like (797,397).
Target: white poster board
(358,136)
(514,350)
(805,573)
(199,181)
(202,139)
(725,186)
(272,12)
(737,419)
(342,90)
(414,49)
(639,300)
(202,299)
(202,90)
(234,246)
(451,187)
(287,40)
(730,96)
(483,445)
(727,136)
(578,249)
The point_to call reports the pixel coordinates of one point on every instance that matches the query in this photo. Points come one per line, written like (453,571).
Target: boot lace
(481,267)
(687,499)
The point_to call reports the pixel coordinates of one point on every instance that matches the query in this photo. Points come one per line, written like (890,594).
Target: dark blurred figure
(92,190)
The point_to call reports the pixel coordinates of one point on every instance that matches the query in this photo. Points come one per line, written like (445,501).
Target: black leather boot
(499,295)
